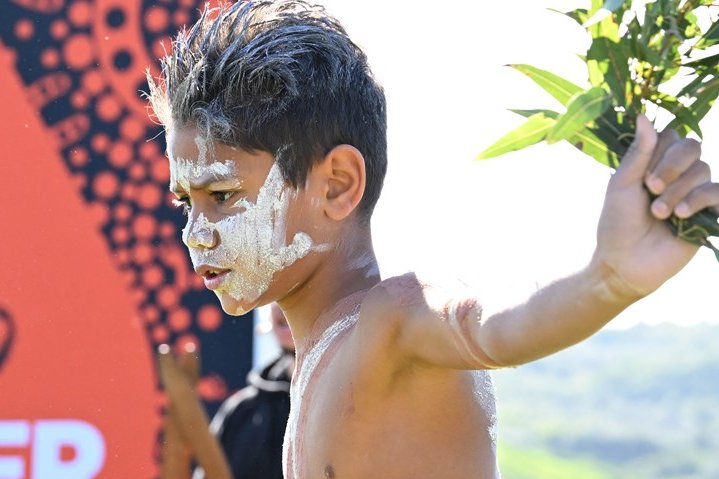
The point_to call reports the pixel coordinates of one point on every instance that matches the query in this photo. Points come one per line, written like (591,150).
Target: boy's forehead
(186,142)
(187,173)
(196,161)
(190,163)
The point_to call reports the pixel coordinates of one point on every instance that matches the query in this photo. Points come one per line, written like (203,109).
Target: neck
(351,267)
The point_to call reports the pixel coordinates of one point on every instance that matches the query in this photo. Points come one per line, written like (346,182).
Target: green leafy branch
(634,53)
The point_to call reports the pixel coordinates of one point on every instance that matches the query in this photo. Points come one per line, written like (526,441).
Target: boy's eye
(184,203)
(221,196)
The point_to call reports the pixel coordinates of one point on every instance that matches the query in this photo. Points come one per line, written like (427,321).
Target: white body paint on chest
(292,451)
(485,396)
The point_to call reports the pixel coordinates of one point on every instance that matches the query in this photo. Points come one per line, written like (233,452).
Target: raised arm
(635,254)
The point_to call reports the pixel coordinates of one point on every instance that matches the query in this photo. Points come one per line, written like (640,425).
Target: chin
(234,307)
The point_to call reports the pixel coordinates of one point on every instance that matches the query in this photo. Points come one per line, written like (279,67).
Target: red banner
(92,274)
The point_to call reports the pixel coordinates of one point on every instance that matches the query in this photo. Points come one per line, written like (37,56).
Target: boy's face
(243,219)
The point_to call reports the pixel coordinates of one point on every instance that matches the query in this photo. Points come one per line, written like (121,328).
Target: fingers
(692,183)
(679,179)
(675,161)
(664,141)
(705,196)
(638,157)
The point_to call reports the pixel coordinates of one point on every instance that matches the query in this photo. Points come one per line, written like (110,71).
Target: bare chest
(314,382)
(343,427)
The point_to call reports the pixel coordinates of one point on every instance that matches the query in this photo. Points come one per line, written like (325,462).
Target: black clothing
(250,424)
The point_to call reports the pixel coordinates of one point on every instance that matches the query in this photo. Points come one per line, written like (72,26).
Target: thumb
(636,160)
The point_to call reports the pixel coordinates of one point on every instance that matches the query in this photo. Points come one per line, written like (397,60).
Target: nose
(200,233)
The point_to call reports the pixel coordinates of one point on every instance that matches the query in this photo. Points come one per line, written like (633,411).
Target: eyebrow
(206,180)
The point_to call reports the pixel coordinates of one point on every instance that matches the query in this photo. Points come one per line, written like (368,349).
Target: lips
(212,275)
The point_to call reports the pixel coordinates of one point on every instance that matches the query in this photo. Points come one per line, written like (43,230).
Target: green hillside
(519,463)
(641,403)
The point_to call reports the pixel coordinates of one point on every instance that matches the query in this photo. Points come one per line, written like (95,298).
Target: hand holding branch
(660,175)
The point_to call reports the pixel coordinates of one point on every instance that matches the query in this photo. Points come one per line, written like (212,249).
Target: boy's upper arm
(432,325)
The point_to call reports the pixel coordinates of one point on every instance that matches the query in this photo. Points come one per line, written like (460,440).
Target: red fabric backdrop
(92,274)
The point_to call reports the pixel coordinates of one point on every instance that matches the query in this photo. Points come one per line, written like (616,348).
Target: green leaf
(562,90)
(648,54)
(606,10)
(629,71)
(650,26)
(711,37)
(584,140)
(697,228)
(634,30)
(705,63)
(688,25)
(602,24)
(695,85)
(687,118)
(579,15)
(706,96)
(616,134)
(665,74)
(587,142)
(682,114)
(612,60)
(582,108)
(529,113)
(594,72)
(596,5)
(530,132)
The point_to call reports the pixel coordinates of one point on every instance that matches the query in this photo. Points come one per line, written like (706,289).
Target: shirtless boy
(276,142)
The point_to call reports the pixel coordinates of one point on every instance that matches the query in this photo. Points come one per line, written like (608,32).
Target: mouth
(212,276)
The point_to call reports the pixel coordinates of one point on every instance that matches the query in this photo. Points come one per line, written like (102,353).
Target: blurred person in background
(245,436)
(250,424)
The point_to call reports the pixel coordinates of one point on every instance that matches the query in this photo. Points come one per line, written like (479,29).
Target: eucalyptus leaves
(640,53)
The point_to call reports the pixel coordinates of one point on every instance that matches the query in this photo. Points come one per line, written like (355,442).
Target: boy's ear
(344,168)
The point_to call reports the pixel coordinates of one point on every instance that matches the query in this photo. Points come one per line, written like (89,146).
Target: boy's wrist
(608,284)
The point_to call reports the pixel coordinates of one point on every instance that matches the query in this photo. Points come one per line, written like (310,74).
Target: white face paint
(251,243)
(184,172)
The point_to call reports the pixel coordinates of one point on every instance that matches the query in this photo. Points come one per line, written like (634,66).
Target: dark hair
(277,76)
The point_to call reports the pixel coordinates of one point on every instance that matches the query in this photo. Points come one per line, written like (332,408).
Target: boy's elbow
(473,340)
(496,346)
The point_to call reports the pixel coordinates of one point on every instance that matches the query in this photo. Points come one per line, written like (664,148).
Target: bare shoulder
(384,308)
(414,323)
(412,294)
(393,295)
(398,305)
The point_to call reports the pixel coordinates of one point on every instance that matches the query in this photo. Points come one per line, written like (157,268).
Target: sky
(505,225)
